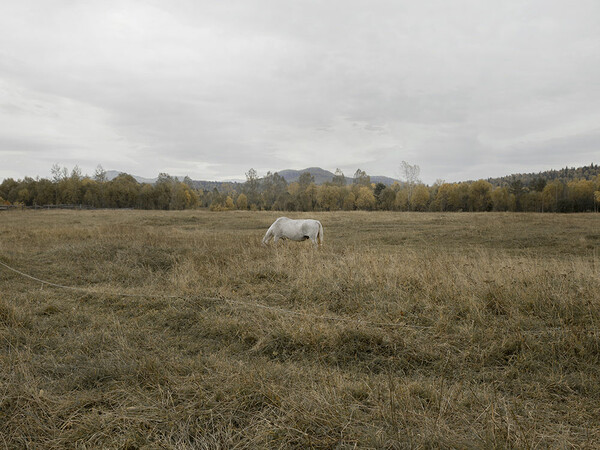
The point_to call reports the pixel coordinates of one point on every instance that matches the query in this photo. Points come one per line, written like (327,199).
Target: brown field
(405,330)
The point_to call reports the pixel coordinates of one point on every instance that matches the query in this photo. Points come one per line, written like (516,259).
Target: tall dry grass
(404,330)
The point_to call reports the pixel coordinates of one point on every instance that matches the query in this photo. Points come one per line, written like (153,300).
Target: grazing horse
(296,230)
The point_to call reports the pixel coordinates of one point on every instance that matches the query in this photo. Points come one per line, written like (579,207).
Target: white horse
(296,230)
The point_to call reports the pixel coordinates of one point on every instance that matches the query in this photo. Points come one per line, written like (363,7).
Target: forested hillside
(565,175)
(565,190)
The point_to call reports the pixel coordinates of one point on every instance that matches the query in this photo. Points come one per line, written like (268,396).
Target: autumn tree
(229,203)
(242,201)
(420,198)
(329,198)
(441,199)
(183,197)
(401,200)
(349,202)
(458,199)
(581,195)
(365,199)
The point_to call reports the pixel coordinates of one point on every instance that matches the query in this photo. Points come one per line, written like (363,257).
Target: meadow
(177,329)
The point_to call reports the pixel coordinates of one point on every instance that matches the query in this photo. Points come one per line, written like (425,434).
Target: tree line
(273,192)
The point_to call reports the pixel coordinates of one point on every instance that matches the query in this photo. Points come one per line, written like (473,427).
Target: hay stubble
(493,337)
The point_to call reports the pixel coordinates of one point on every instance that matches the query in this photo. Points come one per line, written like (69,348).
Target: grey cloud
(463,88)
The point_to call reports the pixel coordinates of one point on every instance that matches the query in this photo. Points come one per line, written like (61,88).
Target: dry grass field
(405,330)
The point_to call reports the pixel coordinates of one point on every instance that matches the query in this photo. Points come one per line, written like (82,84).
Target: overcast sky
(209,89)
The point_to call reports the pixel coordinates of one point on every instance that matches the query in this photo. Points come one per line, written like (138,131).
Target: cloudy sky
(209,89)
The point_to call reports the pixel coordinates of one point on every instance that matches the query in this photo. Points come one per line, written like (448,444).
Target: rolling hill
(321,176)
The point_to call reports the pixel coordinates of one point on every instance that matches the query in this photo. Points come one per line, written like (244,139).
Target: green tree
(273,188)
(122,192)
(147,197)
(69,187)
(45,193)
(499,197)
(311,197)
(251,187)
(551,195)
(9,190)
(517,189)
(100,174)
(164,190)
(339,179)
(305,180)
(91,192)
(377,191)
(58,173)
(361,178)
(480,198)
(387,198)
(538,184)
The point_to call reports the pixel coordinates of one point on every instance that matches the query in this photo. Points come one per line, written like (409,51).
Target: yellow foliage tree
(349,201)
(401,202)
(420,198)
(229,203)
(328,197)
(365,198)
(242,201)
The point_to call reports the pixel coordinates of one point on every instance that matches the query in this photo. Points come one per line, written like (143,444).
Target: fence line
(230,301)
(271,308)
(61,206)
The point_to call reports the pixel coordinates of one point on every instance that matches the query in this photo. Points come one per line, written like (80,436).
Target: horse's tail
(320,234)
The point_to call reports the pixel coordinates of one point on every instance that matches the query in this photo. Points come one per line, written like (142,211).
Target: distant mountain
(112,174)
(321,176)
(385,180)
(325,176)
